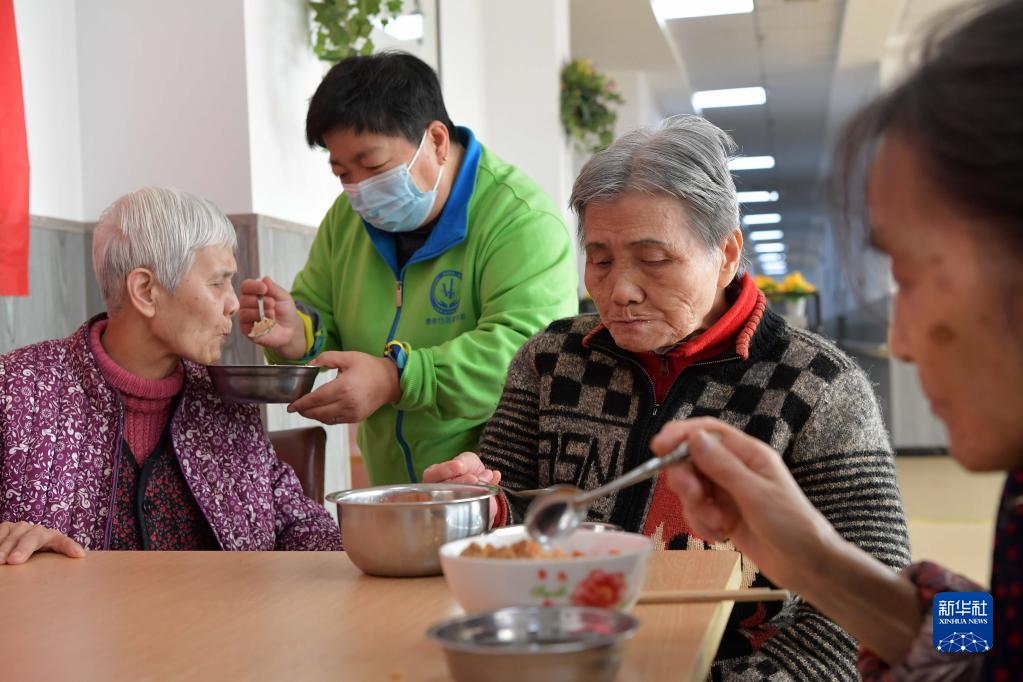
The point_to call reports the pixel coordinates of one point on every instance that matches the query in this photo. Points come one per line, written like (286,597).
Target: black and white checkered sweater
(583,414)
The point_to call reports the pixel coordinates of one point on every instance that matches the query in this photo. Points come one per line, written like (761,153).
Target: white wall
(47,46)
(522,93)
(463,75)
(500,72)
(640,108)
(163,100)
(289,180)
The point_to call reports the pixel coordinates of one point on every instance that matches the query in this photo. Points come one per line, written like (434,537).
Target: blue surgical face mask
(391,201)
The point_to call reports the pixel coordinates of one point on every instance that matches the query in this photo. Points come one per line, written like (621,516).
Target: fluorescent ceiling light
(688,9)
(751,163)
(756,197)
(761,219)
(775,270)
(732,97)
(766,258)
(406,27)
(770,247)
(766,235)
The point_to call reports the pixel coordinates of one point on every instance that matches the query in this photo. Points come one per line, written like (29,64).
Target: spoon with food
(262,326)
(560,511)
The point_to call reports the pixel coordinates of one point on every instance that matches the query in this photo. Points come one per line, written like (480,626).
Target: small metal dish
(263,383)
(554,644)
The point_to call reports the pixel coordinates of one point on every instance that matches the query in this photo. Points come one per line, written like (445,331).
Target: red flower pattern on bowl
(604,590)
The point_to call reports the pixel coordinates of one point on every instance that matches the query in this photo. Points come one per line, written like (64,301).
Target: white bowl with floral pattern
(608,572)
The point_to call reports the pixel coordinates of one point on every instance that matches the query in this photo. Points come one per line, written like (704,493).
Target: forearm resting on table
(871,601)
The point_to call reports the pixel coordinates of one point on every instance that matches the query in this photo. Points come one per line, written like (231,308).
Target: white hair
(156,228)
(686,157)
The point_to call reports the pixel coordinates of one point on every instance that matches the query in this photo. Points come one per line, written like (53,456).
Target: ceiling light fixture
(731,97)
(766,235)
(761,219)
(770,247)
(756,197)
(689,9)
(766,258)
(740,163)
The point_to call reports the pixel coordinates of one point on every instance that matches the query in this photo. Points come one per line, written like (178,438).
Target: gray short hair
(686,157)
(157,228)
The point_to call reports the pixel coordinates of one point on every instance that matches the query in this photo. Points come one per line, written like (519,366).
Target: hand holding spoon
(560,511)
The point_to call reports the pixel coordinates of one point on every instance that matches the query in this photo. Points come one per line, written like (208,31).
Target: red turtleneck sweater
(147,402)
(730,333)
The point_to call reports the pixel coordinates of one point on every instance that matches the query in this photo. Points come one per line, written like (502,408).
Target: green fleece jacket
(496,268)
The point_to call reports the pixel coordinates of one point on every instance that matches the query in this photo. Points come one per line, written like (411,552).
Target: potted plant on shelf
(589,100)
(789,296)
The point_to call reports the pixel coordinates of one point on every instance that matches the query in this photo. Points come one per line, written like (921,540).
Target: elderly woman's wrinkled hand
(465,468)
(19,541)
(736,487)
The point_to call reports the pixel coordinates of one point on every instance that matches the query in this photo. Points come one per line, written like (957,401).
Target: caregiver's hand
(363,384)
(19,541)
(465,468)
(287,337)
(737,487)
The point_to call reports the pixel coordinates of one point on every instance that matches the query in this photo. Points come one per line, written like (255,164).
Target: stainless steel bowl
(396,530)
(554,644)
(263,383)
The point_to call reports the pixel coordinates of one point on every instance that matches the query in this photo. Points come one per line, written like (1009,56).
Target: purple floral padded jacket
(61,429)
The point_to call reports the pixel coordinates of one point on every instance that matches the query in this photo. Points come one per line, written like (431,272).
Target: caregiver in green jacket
(436,262)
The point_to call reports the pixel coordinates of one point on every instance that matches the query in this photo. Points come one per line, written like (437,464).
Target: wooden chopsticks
(701,596)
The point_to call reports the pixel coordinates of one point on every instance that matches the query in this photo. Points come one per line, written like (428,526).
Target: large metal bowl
(263,383)
(396,530)
(554,644)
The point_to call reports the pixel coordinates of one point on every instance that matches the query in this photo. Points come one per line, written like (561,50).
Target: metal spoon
(560,511)
(534,492)
(261,324)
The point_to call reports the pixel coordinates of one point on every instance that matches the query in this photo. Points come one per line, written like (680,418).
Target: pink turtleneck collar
(147,402)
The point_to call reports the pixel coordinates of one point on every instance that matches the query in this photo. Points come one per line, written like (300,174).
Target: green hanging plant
(588,105)
(343,28)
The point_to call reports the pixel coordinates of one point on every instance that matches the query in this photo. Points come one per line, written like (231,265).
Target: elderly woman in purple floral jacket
(114,437)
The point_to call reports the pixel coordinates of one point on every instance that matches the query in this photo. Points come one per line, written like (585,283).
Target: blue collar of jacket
(452,223)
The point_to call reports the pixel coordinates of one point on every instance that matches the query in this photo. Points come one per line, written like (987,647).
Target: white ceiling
(818,59)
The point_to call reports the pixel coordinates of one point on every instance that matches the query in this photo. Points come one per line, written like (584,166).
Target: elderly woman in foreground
(682,331)
(114,437)
(944,160)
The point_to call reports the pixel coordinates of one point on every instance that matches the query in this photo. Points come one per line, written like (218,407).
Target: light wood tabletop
(290,616)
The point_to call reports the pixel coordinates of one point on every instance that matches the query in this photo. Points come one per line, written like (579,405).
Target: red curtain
(13,163)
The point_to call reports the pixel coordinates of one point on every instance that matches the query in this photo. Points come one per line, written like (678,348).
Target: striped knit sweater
(583,413)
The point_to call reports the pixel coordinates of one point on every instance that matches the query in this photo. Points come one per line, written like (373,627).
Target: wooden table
(291,616)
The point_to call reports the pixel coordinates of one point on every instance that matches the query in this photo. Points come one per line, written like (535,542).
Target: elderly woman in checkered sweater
(682,331)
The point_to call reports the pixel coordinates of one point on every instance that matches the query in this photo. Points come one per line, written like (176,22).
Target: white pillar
(526,44)
(501,74)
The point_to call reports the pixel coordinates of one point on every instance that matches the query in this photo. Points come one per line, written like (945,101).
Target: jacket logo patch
(446,292)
